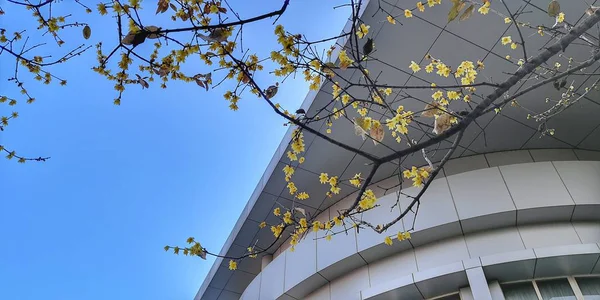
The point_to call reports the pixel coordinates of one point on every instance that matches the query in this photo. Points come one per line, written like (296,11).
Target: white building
(514,216)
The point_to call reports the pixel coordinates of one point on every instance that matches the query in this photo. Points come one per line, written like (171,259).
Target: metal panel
(478,284)
(402,288)
(566,260)
(239,281)
(508,158)
(465,164)
(350,285)
(470,189)
(441,280)
(509,266)
(540,155)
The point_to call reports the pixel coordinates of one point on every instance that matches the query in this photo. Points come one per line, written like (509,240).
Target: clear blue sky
(122,182)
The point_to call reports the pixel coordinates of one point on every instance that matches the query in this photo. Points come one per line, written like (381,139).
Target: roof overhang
(396,45)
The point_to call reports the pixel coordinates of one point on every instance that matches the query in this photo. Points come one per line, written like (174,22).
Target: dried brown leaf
(358,127)
(431,109)
(553,8)
(245,78)
(202,254)
(162,71)
(87,32)
(377,133)
(301,210)
(442,123)
(162,6)
(152,32)
(134,38)
(468,13)
(271,91)
(142,82)
(128,39)
(218,34)
(455,10)
(591,10)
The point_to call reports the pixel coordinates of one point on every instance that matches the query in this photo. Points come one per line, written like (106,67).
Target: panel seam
(511,196)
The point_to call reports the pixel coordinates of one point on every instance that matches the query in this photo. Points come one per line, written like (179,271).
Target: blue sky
(122,182)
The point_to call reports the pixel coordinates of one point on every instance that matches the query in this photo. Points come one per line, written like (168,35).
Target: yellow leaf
(388,241)
(232,265)
(391,20)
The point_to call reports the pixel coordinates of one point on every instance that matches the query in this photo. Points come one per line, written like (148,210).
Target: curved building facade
(498,222)
(522,223)
(513,215)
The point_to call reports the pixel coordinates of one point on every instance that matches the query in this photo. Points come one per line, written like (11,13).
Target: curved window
(590,287)
(454,296)
(519,291)
(568,288)
(556,289)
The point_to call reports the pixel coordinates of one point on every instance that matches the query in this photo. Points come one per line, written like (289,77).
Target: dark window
(519,291)
(556,289)
(590,287)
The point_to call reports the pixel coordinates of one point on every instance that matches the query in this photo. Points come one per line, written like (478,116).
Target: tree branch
(224,25)
(432,176)
(526,69)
